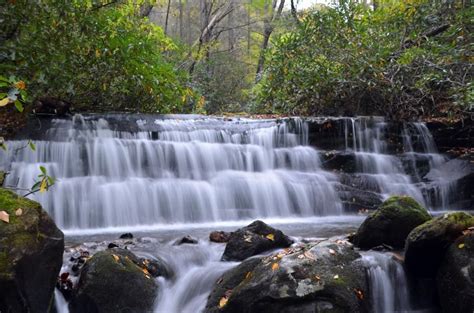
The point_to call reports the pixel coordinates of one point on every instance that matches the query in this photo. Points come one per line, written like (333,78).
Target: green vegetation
(98,55)
(404,59)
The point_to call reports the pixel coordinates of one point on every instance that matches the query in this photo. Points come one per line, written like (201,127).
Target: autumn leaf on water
(270,237)
(4,217)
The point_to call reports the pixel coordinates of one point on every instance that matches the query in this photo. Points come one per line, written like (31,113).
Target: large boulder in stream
(391,223)
(318,277)
(427,243)
(31,250)
(455,278)
(114,280)
(254,239)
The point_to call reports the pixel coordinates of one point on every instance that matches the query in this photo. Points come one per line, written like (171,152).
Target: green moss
(403,202)
(460,218)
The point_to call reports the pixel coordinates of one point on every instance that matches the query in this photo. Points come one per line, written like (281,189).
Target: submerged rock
(391,223)
(126,236)
(114,280)
(219,236)
(31,249)
(253,239)
(185,240)
(455,278)
(321,277)
(427,243)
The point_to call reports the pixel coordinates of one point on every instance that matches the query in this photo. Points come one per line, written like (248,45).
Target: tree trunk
(167,16)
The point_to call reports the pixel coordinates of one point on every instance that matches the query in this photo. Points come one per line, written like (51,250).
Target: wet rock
(112,245)
(427,243)
(219,236)
(3,175)
(321,277)
(65,286)
(455,277)
(339,160)
(185,240)
(355,200)
(31,249)
(391,223)
(113,280)
(126,236)
(253,239)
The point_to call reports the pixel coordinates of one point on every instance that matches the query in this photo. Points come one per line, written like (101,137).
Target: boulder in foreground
(254,239)
(427,243)
(391,223)
(31,250)
(320,277)
(112,281)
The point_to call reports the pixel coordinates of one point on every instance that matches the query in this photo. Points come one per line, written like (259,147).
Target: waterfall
(174,171)
(388,283)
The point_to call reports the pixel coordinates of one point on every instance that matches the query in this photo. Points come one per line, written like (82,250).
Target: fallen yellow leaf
(461,246)
(336,276)
(270,237)
(18,212)
(4,217)
(275,266)
(248,275)
(4,102)
(223,302)
(116,257)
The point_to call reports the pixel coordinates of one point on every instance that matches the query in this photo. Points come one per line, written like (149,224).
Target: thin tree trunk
(180,19)
(167,16)
(267,32)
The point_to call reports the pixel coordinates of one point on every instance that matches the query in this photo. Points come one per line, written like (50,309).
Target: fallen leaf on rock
(18,212)
(270,237)
(336,277)
(248,275)
(275,266)
(461,246)
(332,251)
(309,255)
(219,280)
(116,257)
(4,217)
(222,302)
(300,256)
(359,294)
(248,239)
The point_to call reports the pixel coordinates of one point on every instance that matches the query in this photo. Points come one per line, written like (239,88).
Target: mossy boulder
(455,277)
(391,223)
(2,178)
(427,243)
(318,277)
(31,250)
(112,281)
(254,239)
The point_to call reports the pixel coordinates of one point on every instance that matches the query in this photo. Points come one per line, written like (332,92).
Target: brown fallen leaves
(223,301)
(4,216)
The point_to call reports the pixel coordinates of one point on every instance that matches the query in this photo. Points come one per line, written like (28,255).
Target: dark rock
(427,243)
(156,267)
(355,200)
(455,277)
(126,236)
(340,161)
(219,236)
(65,286)
(112,281)
(391,223)
(31,249)
(185,240)
(321,277)
(51,105)
(253,239)
(112,245)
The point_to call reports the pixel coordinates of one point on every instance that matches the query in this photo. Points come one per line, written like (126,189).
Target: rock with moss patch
(31,249)
(391,223)
(3,175)
(455,277)
(427,243)
(319,277)
(253,239)
(114,281)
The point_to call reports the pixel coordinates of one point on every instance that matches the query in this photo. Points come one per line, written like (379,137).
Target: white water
(388,283)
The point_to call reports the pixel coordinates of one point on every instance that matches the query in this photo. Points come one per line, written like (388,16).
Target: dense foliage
(403,59)
(98,55)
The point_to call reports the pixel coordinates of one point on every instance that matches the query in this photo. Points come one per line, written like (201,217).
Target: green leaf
(32,145)
(43,169)
(19,106)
